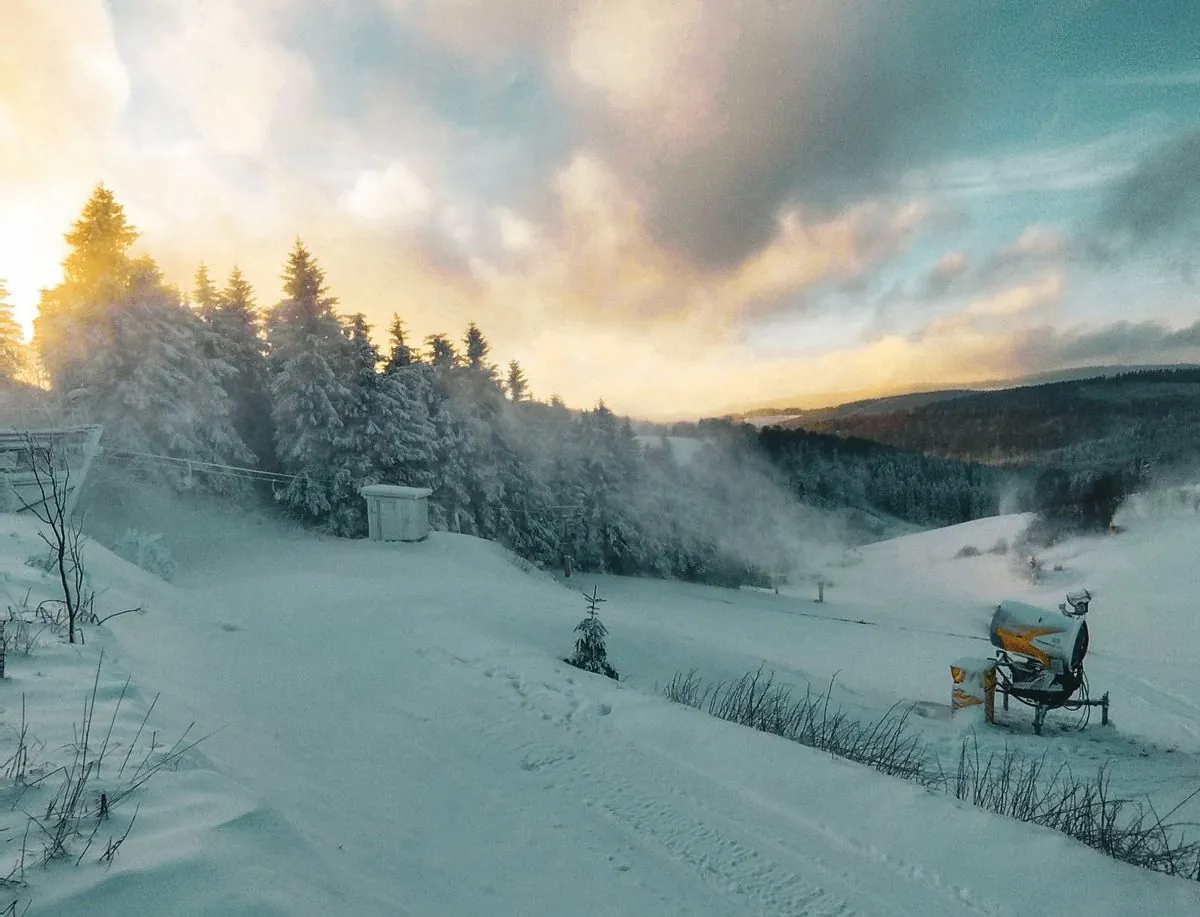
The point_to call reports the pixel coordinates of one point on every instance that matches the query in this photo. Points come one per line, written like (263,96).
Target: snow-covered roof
(398,491)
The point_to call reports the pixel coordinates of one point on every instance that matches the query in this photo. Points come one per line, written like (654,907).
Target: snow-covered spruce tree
(450,506)
(406,447)
(400,354)
(516,384)
(387,433)
(590,654)
(74,317)
(308,354)
(478,405)
(129,352)
(361,416)
(442,354)
(477,349)
(155,391)
(205,296)
(236,335)
(608,538)
(528,441)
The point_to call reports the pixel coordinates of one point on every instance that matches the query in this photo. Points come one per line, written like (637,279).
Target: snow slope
(393,733)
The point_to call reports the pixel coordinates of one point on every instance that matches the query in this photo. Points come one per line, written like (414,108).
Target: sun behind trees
(120,343)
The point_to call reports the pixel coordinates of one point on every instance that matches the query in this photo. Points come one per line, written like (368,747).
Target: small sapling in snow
(590,653)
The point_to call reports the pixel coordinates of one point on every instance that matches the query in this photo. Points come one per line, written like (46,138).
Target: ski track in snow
(722,841)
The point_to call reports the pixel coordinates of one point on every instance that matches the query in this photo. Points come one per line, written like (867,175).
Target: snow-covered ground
(390,730)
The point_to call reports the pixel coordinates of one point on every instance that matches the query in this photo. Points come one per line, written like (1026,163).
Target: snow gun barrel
(1053,639)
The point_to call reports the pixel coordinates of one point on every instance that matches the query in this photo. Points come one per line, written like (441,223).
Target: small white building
(396,513)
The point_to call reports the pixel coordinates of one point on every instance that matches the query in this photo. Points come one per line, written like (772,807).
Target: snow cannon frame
(1039,657)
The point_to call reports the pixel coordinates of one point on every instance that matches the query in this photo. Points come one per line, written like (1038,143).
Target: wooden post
(820,589)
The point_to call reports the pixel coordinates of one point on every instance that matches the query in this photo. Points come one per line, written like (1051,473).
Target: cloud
(1037,247)
(949,268)
(1000,310)
(1015,301)
(719,117)
(64,87)
(1126,342)
(392,194)
(1158,198)
(1075,167)
(222,66)
(765,108)
(597,260)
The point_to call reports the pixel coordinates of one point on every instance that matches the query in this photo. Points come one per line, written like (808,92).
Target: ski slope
(392,731)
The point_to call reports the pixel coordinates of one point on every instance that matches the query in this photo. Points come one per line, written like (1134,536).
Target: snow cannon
(1039,656)
(1051,639)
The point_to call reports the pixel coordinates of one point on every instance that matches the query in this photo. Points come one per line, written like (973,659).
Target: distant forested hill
(834,472)
(1151,416)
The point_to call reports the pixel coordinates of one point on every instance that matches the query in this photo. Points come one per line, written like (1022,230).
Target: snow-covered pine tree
(306,401)
(205,297)
(610,537)
(591,654)
(406,448)
(236,330)
(516,383)
(450,505)
(442,354)
(367,414)
(400,354)
(476,348)
(482,411)
(485,450)
(308,355)
(153,388)
(130,353)
(74,317)
(12,350)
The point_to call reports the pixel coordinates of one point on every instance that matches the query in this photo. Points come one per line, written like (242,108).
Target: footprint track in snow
(723,846)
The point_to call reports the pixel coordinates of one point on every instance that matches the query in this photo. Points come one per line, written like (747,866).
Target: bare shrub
(64,538)
(83,799)
(967,550)
(757,700)
(1085,809)
(21,630)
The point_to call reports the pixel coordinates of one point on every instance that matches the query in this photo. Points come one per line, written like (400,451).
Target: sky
(682,207)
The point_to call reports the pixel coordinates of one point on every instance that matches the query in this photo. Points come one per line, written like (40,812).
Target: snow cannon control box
(974,685)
